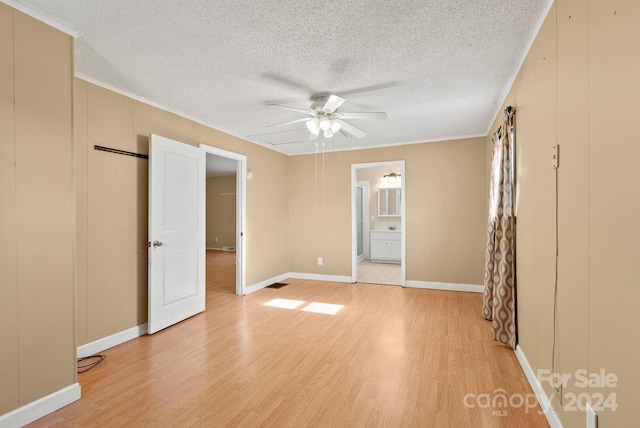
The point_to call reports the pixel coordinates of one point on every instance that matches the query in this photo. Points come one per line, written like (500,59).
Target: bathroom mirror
(389,203)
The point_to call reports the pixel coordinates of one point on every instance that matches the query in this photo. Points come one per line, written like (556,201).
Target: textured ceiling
(439,68)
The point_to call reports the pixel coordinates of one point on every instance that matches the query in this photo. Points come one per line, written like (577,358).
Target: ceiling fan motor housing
(319,103)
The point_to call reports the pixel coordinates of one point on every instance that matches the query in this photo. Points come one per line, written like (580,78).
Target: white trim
(403,143)
(267,282)
(320,277)
(296,275)
(41,17)
(543,400)
(241,212)
(111,341)
(445,286)
(170,110)
(257,141)
(41,407)
(366,201)
(509,85)
(216,249)
(354,239)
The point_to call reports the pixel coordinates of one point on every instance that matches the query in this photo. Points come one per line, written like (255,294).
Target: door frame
(366,201)
(354,238)
(241,213)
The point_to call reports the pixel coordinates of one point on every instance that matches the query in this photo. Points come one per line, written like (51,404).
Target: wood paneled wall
(37,313)
(112,196)
(579,88)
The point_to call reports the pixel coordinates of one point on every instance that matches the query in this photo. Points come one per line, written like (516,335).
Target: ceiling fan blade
(304,119)
(357,132)
(281,79)
(333,103)
(370,88)
(287,143)
(380,115)
(310,113)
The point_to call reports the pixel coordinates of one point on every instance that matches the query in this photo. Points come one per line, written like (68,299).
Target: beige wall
(445,186)
(112,206)
(221,211)
(37,314)
(579,88)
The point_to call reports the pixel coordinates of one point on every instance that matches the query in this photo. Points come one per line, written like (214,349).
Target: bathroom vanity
(386,246)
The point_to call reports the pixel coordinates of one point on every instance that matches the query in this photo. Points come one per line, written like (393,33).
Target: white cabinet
(386,246)
(389,203)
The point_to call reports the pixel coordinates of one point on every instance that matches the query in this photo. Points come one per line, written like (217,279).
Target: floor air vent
(277,285)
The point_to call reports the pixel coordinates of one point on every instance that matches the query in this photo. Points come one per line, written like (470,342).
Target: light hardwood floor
(391,357)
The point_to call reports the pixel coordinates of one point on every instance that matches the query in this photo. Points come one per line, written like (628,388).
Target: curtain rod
(508,110)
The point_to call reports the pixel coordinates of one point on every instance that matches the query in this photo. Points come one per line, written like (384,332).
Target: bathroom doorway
(378,233)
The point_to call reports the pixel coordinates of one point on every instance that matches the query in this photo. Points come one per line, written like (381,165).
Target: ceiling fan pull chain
(323,172)
(316,183)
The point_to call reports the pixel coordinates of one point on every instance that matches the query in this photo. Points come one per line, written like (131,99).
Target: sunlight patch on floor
(323,308)
(316,307)
(284,303)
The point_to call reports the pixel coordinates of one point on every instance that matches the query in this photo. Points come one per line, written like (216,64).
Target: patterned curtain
(499,277)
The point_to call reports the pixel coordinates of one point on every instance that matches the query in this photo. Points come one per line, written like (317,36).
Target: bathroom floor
(379,273)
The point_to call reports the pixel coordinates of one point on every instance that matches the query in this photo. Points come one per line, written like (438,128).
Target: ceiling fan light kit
(325,118)
(325,123)
(313,126)
(328,126)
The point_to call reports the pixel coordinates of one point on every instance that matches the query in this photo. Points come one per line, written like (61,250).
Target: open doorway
(378,238)
(225,217)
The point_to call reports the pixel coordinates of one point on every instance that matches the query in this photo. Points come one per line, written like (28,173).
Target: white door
(176,232)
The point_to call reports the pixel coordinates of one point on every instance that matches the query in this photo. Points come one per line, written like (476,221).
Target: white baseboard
(319,277)
(295,275)
(267,282)
(214,248)
(445,286)
(42,407)
(543,400)
(111,341)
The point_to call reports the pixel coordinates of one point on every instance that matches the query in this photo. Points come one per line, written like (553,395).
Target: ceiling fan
(324,118)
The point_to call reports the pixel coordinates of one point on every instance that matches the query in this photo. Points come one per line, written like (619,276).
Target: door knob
(157,244)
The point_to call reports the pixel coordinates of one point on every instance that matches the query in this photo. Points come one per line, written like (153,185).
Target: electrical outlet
(592,417)
(555,159)
(320,261)
(216,239)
